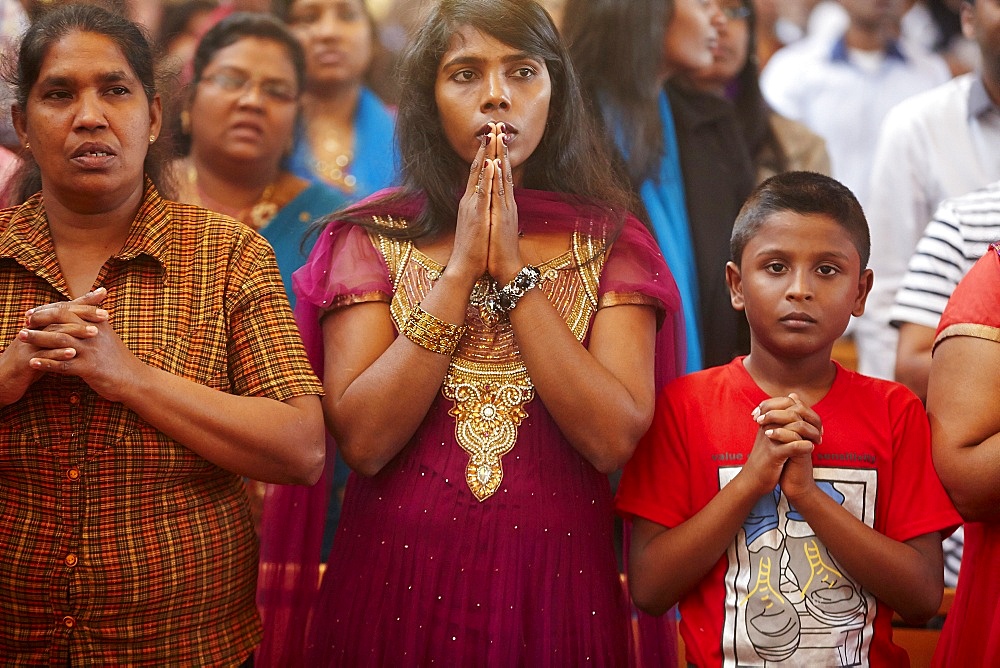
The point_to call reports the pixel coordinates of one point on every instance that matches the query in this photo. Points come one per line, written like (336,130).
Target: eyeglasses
(736,13)
(238,82)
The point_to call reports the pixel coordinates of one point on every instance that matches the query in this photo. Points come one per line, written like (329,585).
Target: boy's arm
(908,576)
(664,564)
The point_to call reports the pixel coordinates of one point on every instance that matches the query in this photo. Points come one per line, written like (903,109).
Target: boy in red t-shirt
(789,504)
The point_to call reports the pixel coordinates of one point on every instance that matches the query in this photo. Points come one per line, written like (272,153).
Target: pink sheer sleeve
(343,268)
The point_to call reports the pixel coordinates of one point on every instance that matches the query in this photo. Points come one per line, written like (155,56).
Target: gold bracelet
(432,333)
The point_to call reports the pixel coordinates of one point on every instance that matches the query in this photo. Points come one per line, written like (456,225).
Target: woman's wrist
(508,272)
(462,277)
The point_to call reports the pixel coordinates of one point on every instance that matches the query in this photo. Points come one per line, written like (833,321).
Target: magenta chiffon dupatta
(294,517)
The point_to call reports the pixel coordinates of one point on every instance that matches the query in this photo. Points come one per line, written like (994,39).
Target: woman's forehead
(80,53)
(472,40)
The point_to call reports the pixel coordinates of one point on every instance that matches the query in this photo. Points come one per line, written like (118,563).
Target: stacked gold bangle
(432,333)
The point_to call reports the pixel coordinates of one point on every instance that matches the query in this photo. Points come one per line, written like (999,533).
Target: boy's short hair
(803,193)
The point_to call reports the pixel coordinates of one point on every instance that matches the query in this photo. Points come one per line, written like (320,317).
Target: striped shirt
(960,232)
(118,545)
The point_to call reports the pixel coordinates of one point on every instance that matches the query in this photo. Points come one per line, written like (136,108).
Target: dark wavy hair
(617,46)
(22,73)
(570,159)
(752,111)
(242,25)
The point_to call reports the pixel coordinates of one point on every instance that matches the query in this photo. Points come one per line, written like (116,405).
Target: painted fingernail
(503,138)
(769,433)
(101,313)
(756,412)
(23,335)
(91,330)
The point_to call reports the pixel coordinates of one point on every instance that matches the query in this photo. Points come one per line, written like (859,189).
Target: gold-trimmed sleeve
(609,299)
(364,297)
(972,329)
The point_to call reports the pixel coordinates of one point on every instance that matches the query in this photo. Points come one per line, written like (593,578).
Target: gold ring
(477,188)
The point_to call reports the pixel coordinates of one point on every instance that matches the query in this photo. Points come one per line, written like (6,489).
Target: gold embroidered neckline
(487,381)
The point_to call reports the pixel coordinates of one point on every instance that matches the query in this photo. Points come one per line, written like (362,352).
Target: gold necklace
(332,165)
(257,215)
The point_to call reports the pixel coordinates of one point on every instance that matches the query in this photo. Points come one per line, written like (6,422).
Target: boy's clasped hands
(787,433)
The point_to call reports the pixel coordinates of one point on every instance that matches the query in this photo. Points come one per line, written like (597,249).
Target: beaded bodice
(487,381)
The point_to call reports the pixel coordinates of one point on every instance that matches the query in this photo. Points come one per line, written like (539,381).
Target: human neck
(332,104)
(991,81)
(227,189)
(811,377)
(86,223)
(84,241)
(870,37)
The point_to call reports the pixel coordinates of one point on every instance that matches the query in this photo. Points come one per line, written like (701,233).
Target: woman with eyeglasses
(347,135)
(777,144)
(239,123)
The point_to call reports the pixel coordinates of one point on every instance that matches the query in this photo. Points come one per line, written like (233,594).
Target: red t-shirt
(777,594)
(971,635)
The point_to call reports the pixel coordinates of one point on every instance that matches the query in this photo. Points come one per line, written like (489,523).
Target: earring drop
(27,146)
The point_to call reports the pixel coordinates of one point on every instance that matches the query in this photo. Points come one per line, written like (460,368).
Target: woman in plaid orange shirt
(150,361)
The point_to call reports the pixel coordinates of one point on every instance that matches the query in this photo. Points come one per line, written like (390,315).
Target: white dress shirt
(941,144)
(843,95)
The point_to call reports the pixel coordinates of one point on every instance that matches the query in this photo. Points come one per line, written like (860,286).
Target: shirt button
(74,398)
(70,560)
(73,473)
(69,622)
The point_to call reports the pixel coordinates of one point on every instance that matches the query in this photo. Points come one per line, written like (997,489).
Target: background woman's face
(88,121)
(481,80)
(245,105)
(731,52)
(691,36)
(337,38)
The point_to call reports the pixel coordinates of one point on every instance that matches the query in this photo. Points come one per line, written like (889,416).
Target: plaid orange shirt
(118,545)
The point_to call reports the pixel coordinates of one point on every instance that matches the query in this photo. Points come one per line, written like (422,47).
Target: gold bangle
(432,333)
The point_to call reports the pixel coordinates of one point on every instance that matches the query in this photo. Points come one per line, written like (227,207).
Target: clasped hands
(73,338)
(787,433)
(486,233)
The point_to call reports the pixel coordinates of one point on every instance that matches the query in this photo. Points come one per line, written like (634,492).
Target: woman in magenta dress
(491,340)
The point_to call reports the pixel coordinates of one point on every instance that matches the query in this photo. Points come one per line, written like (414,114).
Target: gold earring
(27,146)
(152,138)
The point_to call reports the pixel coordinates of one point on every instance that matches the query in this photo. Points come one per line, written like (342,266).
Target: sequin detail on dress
(487,380)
